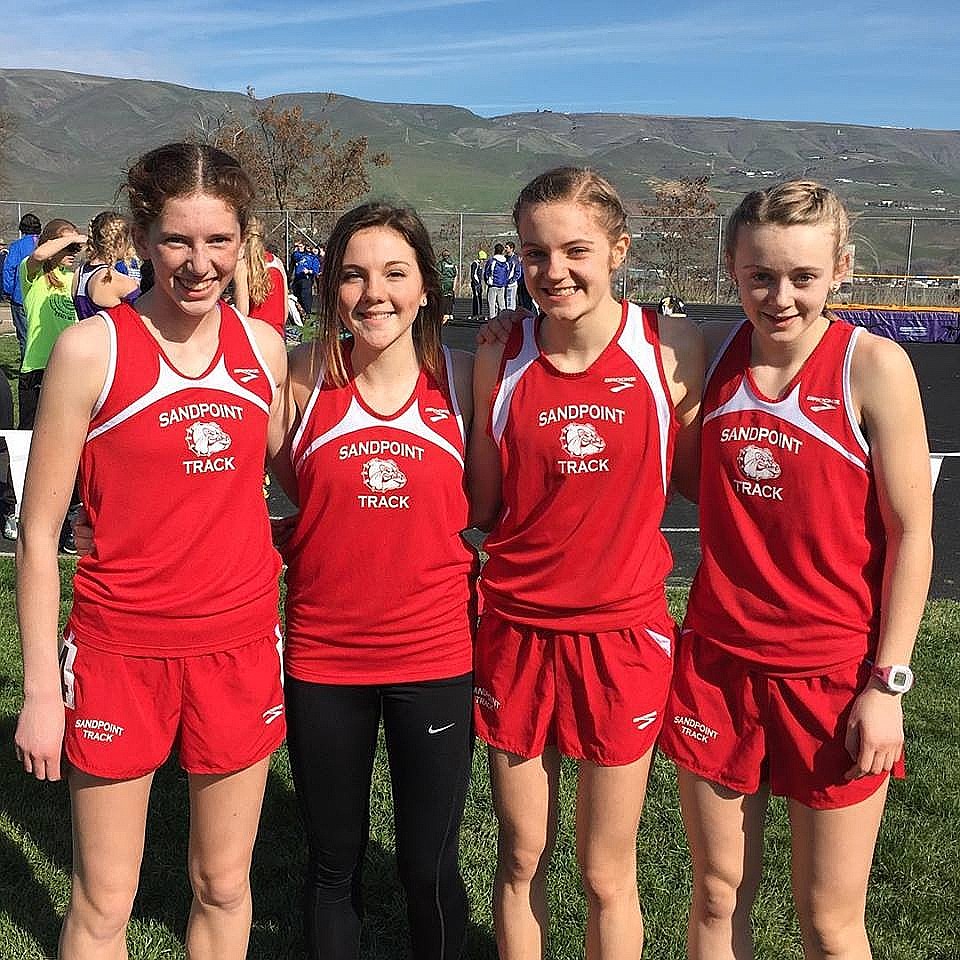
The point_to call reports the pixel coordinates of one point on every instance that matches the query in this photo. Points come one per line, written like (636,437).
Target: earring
(423,301)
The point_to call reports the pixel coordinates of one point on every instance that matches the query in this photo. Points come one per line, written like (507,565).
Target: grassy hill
(76,133)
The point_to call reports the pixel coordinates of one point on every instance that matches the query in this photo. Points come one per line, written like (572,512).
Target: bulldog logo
(381,476)
(581,440)
(758,463)
(206,439)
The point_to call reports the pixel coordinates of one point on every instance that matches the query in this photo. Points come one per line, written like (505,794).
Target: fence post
(460,255)
(906,279)
(716,289)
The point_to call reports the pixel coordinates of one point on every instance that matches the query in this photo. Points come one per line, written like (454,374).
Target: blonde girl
(815,516)
(97,283)
(582,417)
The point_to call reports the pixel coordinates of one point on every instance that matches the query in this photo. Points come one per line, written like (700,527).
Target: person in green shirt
(46,278)
(448,278)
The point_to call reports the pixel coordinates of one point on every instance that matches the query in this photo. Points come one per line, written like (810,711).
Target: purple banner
(907,326)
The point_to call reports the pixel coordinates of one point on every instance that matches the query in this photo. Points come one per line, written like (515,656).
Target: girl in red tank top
(165,408)
(815,526)
(582,418)
(378,582)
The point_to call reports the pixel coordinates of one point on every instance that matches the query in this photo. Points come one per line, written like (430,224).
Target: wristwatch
(897,678)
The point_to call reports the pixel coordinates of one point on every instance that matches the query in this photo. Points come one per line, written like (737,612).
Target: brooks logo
(273,713)
(645,720)
(620,383)
(819,404)
(246,374)
(437,414)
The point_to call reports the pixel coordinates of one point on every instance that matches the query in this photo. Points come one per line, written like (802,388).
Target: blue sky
(855,62)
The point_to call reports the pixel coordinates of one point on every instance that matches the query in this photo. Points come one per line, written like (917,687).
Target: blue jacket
(304,261)
(18,252)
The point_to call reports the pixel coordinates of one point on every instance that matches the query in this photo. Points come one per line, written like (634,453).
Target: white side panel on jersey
(305,419)
(788,410)
(356,419)
(170,382)
(848,393)
(512,372)
(643,353)
(111,363)
(255,347)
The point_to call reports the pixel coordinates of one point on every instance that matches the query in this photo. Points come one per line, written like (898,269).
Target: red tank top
(273,310)
(586,461)
(790,529)
(171,475)
(378,577)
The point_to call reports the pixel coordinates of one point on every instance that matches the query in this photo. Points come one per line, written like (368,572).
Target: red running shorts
(736,726)
(124,714)
(595,696)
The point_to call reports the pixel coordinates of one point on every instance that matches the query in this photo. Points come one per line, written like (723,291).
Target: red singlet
(171,475)
(273,310)
(791,533)
(378,575)
(586,462)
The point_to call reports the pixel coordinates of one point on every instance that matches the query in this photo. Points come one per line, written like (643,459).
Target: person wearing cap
(476,284)
(19,251)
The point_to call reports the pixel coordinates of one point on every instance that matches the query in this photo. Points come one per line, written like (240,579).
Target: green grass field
(913,904)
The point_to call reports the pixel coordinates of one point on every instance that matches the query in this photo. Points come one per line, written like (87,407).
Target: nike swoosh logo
(432,729)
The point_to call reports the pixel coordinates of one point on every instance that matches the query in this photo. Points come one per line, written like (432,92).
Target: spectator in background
(3,260)
(306,266)
(319,252)
(295,255)
(496,275)
(98,282)
(448,279)
(18,252)
(46,279)
(129,265)
(260,283)
(516,272)
(476,284)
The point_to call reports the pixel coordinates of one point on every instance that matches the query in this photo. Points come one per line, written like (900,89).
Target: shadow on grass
(40,814)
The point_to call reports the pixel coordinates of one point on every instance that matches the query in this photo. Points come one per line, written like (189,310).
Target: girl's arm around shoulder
(684,357)
(302,374)
(72,382)
(887,399)
(483,456)
(274,353)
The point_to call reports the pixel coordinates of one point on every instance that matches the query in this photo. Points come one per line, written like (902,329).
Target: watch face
(900,679)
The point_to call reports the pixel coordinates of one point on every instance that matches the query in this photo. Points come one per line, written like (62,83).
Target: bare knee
(521,860)
(605,884)
(718,896)
(100,911)
(830,927)
(221,888)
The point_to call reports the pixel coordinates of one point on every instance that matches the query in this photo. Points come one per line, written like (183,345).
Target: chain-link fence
(909,261)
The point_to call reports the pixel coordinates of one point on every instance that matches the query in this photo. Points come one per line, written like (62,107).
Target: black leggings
(332,739)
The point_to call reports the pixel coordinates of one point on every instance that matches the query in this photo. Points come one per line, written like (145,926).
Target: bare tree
(295,161)
(681,229)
